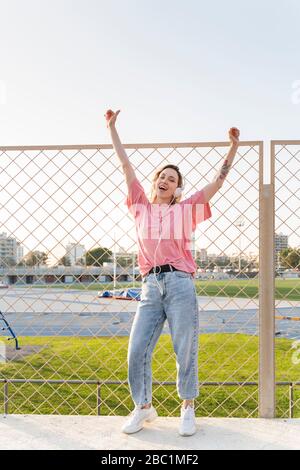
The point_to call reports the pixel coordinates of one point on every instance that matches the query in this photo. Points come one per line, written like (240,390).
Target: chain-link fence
(66,236)
(285,172)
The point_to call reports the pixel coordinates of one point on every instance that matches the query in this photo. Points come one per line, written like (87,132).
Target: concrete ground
(103,433)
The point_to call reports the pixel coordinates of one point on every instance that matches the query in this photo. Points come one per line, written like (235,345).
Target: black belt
(164,268)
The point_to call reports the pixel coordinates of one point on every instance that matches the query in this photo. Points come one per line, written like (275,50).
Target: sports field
(288,289)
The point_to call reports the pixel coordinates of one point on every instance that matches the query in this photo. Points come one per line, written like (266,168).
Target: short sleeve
(200,210)
(136,199)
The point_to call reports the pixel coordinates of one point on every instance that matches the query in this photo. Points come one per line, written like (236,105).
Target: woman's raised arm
(211,188)
(119,149)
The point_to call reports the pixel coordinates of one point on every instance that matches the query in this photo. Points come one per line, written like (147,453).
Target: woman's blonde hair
(156,176)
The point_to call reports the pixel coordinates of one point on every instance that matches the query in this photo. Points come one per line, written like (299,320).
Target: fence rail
(99,383)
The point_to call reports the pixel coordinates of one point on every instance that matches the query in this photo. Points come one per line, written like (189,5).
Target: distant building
(281,242)
(11,251)
(202,255)
(74,252)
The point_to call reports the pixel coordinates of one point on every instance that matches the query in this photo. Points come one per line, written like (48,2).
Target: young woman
(164,227)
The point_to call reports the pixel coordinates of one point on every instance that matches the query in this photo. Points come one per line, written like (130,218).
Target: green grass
(288,289)
(222,358)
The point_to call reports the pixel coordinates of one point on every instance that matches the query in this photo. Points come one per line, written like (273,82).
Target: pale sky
(179,72)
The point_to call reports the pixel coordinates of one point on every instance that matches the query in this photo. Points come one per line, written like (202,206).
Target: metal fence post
(98,398)
(266,293)
(6,397)
(291,401)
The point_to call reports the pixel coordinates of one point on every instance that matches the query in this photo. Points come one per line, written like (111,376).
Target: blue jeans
(179,305)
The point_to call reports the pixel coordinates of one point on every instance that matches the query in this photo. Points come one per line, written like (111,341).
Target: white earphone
(178,192)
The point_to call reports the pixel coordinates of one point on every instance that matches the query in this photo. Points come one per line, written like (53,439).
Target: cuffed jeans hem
(142,404)
(189,397)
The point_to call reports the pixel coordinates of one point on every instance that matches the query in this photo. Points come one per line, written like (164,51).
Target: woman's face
(166,184)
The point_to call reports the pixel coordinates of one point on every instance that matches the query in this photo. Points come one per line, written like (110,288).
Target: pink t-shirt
(174,223)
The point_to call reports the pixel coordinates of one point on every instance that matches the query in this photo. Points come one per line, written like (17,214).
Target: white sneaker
(136,421)
(187,425)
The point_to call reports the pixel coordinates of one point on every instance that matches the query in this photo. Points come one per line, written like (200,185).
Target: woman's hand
(111,117)
(234,135)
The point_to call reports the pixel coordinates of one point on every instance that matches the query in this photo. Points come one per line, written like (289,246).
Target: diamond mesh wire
(54,198)
(286,173)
